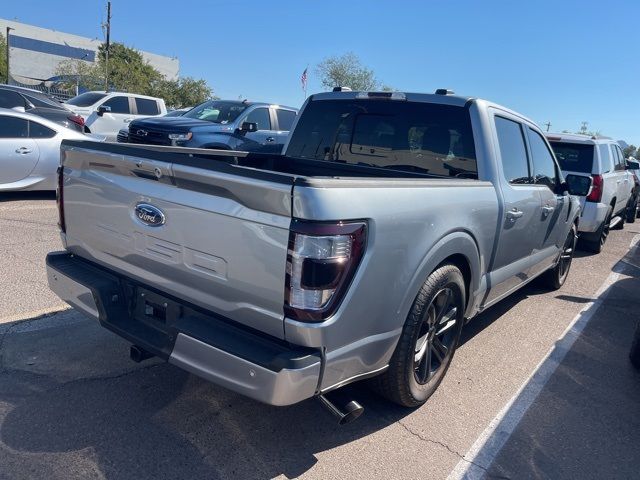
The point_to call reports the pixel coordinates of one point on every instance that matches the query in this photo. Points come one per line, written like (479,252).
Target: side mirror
(19,109)
(578,185)
(633,165)
(102,109)
(248,127)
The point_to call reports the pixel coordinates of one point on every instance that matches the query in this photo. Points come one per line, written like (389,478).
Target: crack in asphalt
(6,371)
(451,450)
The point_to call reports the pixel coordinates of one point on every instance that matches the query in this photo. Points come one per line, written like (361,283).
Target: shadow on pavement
(585,422)
(153,421)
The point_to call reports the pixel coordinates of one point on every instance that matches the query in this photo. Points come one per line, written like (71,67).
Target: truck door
(623,186)
(513,255)
(553,226)
(265,139)
(109,123)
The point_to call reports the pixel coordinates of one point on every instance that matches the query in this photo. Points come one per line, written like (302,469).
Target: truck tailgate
(222,244)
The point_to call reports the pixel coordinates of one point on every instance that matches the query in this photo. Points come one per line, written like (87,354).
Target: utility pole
(548,125)
(8,70)
(107,43)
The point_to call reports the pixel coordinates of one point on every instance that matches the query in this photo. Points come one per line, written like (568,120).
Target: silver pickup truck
(389,221)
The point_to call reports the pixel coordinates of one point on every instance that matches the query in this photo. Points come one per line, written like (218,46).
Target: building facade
(35,53)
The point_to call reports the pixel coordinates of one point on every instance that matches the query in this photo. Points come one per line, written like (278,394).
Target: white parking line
(485,449)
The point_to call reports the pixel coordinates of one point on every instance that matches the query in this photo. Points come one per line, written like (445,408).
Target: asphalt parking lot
(72,405)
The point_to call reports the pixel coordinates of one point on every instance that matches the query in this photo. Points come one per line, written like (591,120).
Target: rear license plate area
(155,310)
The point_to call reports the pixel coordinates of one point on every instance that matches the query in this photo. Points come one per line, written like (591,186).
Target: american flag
(303,79)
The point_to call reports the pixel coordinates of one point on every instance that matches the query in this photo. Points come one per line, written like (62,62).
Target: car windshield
(408,136)
(574,157)
(86,99)
(217,111)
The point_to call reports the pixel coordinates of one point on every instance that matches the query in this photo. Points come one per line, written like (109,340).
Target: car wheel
(428,341)
(555,278)
(597,244)
(631,210)
(634,354)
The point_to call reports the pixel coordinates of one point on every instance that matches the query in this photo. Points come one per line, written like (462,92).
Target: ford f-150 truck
(389,220)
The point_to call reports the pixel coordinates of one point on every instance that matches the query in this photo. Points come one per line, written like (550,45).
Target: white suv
(105,113)
(610,197)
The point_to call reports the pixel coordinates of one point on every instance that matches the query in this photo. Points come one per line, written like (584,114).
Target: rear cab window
(574,157)
(146,106)
(417,137)
(285,119)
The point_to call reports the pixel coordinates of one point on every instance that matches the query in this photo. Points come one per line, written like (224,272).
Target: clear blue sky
(559,61)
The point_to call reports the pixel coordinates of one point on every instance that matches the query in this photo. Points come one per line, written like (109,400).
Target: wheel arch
(459,248)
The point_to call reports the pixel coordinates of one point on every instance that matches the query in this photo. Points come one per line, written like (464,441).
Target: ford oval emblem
(149,215)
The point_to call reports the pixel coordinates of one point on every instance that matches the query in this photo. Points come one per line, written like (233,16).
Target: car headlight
(180,137)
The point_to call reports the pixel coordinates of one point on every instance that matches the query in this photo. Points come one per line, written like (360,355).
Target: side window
(619,157)
(285,119)
(37,130)
(544,165)
(118,104)
(606,160)
(512,151)
(261,117)
(13,127)
(146,106)
(10,99)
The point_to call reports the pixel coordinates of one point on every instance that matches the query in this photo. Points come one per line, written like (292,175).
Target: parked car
(30,150)
(220,124)
(610,200)
(105,113)
(359,252)
(632,166)
(40,104)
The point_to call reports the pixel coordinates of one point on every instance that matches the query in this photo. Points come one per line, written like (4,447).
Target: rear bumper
(203,343)
(593,214)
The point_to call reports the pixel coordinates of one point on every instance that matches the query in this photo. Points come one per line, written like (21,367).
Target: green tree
(346,71)
(630,151)
(130,72)
(3,59)
(183,92)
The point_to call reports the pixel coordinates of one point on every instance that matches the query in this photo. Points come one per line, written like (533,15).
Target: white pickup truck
(106,113)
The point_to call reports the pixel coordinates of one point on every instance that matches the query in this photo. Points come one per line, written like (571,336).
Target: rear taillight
(595,195)
(77,119)
(60,199)
(321,262)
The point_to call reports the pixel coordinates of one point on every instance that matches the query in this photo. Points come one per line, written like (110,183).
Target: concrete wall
(36,52)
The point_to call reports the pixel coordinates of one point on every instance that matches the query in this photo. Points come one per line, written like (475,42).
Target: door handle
(547,209)
(271,139)
(23,150)
(514,214)
(127,120)
(618,181)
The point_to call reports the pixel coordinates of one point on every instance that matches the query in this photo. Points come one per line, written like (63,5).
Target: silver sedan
(30,150)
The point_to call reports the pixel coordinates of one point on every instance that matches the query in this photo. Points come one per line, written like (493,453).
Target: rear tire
(631,210)
(554,279)
(596,244)
(428,341)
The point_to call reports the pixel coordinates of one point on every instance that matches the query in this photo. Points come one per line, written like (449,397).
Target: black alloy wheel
(436,337)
